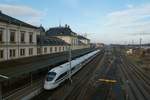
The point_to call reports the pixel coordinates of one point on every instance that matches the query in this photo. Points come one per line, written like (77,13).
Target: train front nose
(49,85)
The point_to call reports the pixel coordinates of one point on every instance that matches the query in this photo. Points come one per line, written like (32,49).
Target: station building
(48,45)
(17,38)
(20,40)
(65,33)
(85,41)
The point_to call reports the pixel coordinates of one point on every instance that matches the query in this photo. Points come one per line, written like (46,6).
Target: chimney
(66,25)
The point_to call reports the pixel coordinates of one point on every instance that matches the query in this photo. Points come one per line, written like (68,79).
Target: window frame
(12,53)
(55,49)
(12,35)
(22,40)
(30,51)
(51,49)
(1,34)
(30,37)
(45,50)
(1,54)
(60,77)
(22,52)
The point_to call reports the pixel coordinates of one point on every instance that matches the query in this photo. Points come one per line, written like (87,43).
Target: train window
(61,76)
(51,76)
(72,68)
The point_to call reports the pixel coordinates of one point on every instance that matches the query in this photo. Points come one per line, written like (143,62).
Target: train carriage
(59,74)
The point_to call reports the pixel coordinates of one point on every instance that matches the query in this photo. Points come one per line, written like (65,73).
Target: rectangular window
(30,37)
(51,49)
(12,53)
(38,50)
(1,35)
(22,37)
(22,52)
(1,53)
(59,49)
(55,49)
(61,76)
(45,50)
(12,36)
(30,51)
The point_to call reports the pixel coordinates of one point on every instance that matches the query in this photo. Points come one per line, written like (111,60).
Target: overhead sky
(107,21)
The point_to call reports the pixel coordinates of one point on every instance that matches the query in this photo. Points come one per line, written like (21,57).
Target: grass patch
(135,59)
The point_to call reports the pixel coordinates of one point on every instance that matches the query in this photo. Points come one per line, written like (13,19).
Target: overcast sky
(107,21)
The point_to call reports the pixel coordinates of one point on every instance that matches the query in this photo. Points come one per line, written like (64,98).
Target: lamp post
(0,91)
(140,43)
(70,63)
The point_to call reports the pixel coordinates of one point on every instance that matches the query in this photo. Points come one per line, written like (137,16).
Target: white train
(59,74)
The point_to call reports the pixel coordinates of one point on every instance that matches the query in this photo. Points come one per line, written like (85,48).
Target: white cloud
(134,19)
(71,3)
(23,12)
(130,6)
(125,25)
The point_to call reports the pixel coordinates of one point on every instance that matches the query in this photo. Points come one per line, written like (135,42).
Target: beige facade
(73,40)
(85,41)
(17,41)
(43,50)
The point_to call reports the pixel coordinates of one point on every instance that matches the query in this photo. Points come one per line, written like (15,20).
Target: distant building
(84,39)
(17,38)
(66,34)
(130,51)
(97,45)
(48,45)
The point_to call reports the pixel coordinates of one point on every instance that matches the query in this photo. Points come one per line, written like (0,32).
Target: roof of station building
(50,41)
(60,31)
(8,19)
(82,37)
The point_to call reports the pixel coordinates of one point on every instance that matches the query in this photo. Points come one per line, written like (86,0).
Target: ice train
(62,72)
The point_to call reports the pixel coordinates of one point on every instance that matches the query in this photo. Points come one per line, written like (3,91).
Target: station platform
(27,92)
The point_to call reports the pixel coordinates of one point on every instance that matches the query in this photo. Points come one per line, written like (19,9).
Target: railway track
(78,85)
(137,82)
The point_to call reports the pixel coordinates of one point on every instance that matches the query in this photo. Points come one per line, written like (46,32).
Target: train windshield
(51,76)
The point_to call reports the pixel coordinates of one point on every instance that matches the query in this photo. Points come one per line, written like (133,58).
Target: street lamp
(70,63)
